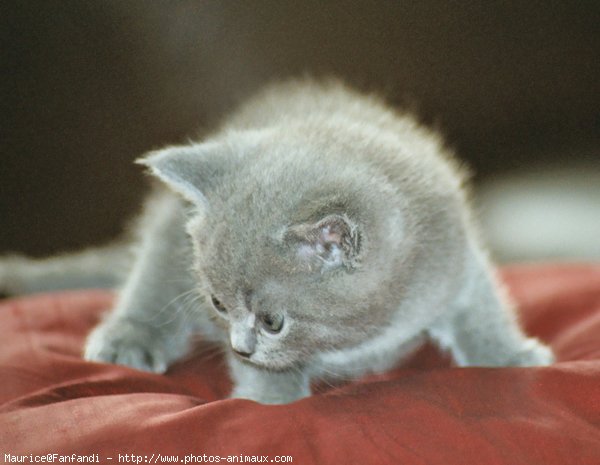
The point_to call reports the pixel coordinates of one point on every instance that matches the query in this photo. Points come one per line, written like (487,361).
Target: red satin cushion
(425,412)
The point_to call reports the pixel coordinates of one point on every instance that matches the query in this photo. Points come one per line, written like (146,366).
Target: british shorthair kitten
(317,233)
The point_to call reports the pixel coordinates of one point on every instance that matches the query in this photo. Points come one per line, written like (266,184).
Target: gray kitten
(318,233)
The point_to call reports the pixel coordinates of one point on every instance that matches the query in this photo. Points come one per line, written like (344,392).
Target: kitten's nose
(242,341)
(242,353)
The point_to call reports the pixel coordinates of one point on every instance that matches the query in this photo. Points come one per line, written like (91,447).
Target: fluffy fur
(317,233)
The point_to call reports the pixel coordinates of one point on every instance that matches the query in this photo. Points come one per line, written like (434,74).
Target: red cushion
(426,412)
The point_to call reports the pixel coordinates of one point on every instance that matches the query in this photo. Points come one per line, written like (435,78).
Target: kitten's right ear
(331,242)
(188,170)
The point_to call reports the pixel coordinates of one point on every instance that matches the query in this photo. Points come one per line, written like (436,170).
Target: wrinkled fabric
(424,412)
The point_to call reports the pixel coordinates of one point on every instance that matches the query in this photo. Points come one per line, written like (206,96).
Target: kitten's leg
(148,328)
(267,387)
(482,330)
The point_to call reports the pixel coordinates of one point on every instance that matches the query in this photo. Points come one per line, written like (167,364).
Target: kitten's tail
(102,267)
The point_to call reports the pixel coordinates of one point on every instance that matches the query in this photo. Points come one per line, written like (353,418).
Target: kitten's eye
(272,323)
(218,305)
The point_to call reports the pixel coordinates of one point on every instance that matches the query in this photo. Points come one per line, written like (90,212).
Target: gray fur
(317,233)
(101,267)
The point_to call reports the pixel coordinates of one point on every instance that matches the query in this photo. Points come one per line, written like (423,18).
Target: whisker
(210,353)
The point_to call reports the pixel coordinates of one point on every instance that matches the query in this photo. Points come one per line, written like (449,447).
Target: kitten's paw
(125,343)
(533,353)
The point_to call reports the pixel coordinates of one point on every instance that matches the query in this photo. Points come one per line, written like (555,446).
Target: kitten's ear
(331,242)
(187,170)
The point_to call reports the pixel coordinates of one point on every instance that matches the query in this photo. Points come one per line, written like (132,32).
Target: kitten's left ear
(331,242)
(188,170)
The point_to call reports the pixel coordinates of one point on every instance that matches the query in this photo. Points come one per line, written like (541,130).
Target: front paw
(127,343)
(533,353)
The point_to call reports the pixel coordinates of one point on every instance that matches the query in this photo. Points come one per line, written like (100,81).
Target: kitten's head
(283,248)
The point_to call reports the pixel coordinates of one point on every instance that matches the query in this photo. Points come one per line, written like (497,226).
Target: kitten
(317,233)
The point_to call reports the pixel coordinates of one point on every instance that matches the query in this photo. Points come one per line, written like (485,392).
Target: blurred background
(88,86)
